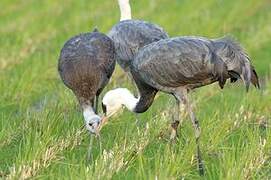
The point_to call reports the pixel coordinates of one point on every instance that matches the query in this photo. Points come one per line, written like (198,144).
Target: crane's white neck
(88,112)
(114,99)
(125,10)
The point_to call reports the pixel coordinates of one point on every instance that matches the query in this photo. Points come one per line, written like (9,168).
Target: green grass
(41,134)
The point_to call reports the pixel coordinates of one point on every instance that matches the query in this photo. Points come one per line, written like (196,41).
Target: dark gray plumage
(178,65)
(131,35)
(86,64)
(191,62)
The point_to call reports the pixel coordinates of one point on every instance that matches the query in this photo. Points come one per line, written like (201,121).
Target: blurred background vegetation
(41,133)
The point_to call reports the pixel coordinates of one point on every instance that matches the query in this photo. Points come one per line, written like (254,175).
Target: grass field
(41,134)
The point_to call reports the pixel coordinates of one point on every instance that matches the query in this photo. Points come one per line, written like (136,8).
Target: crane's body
(86,64)
(191,62)
(171,63)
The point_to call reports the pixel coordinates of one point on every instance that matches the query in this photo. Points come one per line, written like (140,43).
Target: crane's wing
(179,61)
(130,35)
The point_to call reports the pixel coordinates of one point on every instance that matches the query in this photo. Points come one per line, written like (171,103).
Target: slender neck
(88,112)
(145,101)
(125,10)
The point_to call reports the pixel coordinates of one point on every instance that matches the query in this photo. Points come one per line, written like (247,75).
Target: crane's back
(130,35)
(86,63)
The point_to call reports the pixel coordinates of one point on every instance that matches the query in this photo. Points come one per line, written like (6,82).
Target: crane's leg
(175,121)
(183,96)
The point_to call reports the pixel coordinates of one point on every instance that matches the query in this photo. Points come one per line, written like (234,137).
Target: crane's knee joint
(175,124)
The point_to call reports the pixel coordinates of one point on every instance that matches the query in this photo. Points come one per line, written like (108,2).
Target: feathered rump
(237,61)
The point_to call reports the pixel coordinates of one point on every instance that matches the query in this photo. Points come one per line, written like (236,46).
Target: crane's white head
(115,99)
(125,9)
(92,120)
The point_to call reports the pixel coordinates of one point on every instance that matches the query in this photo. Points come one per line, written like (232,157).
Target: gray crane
(177,66)
(130,35)
(86,64)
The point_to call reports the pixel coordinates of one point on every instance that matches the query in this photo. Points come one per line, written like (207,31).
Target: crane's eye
(104,108)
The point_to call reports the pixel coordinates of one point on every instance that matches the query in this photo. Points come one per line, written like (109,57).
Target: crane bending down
(130,35)
(86,64)
(178,65)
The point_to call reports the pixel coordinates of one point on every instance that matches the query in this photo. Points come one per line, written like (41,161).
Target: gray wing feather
(194,62)
(175,62)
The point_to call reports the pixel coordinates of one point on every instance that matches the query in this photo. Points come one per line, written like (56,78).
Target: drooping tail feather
(254,78)
(237,61)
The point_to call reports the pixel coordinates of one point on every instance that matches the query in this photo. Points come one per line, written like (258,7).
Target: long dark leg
(184,98)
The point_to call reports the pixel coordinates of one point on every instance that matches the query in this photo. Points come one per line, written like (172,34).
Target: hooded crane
(177,66)
(86,64)
(130,35)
